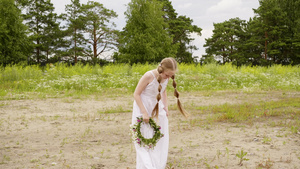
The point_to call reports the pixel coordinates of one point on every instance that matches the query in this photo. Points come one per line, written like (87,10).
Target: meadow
(82,80)
(62,116)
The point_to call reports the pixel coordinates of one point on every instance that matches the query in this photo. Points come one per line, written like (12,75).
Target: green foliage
(237,113)
(272,20)
(41,21)
(123,78)
(180,28)
(14,44)
(140,139)
(213,77)
(155,31)
(16,73)
(227,41)
(145,38)
(102,38)
(241,155)
(75,30)
(270,37)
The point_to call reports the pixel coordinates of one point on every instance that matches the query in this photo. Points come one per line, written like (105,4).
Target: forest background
(32,33)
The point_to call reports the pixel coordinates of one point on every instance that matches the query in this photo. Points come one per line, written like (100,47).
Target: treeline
(272,36)
(31,32)
(84,31)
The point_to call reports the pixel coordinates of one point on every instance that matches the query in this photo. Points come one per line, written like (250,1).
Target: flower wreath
(138,138)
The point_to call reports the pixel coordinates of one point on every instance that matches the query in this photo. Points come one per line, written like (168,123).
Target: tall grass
(123,78)
(247,111)
(215,77)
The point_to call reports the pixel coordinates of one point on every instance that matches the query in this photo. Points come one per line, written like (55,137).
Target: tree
(75,30)
(52,34)
(145,37)
(227,41)
(41,21)
(180,29)
(280,22)
(254,43)
(292,23)
(102,37)
(270,37)
(14,44)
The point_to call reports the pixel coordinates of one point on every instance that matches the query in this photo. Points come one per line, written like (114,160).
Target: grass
(118,109)
(285,109)
(247,112)
(111,81)
(27,82)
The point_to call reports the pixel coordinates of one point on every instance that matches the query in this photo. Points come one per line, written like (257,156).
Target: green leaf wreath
(138,138)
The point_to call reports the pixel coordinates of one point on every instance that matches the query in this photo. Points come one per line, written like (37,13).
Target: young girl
(150,100)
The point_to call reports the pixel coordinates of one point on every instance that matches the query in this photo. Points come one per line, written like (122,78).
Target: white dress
(152,158)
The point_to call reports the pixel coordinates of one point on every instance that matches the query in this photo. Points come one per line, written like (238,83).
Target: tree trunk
(266,45)
(47,55)
(75,47)
(38,51)
(37,42)
(95,44)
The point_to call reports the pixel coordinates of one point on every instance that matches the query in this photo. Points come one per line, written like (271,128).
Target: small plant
(122,157)
(65,141)
(268,164)
(47,154)
(266,140)
(5,158)
(294,129)
(218,154)
(170,165)
(34,160)
(226,141)
(227,155)
(241,155)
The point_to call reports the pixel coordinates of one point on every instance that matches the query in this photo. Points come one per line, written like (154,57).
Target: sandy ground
(76,133)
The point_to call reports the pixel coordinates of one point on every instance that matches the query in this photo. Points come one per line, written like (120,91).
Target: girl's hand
(146,117)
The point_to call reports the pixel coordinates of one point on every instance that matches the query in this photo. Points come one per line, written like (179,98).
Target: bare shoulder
(147,77)
(144,81)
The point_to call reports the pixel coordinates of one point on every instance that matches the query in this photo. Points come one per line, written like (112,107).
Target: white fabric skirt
(153,158)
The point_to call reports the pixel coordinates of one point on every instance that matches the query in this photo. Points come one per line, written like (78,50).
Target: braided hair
(167,64)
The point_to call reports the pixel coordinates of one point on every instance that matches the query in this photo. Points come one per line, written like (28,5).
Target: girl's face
(167,74)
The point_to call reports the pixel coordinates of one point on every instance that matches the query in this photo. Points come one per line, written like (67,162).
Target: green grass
(23,82)
(288,108)
(118,109)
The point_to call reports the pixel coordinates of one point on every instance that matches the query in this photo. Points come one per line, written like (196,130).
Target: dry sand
(75,133)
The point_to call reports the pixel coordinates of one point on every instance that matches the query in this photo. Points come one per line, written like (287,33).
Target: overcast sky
(203,12)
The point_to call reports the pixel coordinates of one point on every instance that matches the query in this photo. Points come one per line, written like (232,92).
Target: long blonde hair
(168,64)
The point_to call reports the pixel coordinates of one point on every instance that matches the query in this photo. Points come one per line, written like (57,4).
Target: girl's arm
(144,81)
(165,101)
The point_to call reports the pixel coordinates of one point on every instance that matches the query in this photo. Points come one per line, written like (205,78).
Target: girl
(150,100)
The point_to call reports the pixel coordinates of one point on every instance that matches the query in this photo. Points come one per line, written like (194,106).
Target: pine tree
(41,22)
(75,30)
(227,41)
(14,44)
(180,29)
(279,20)
(101,32)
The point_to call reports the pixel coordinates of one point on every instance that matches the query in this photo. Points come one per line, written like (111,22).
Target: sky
(204,13)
